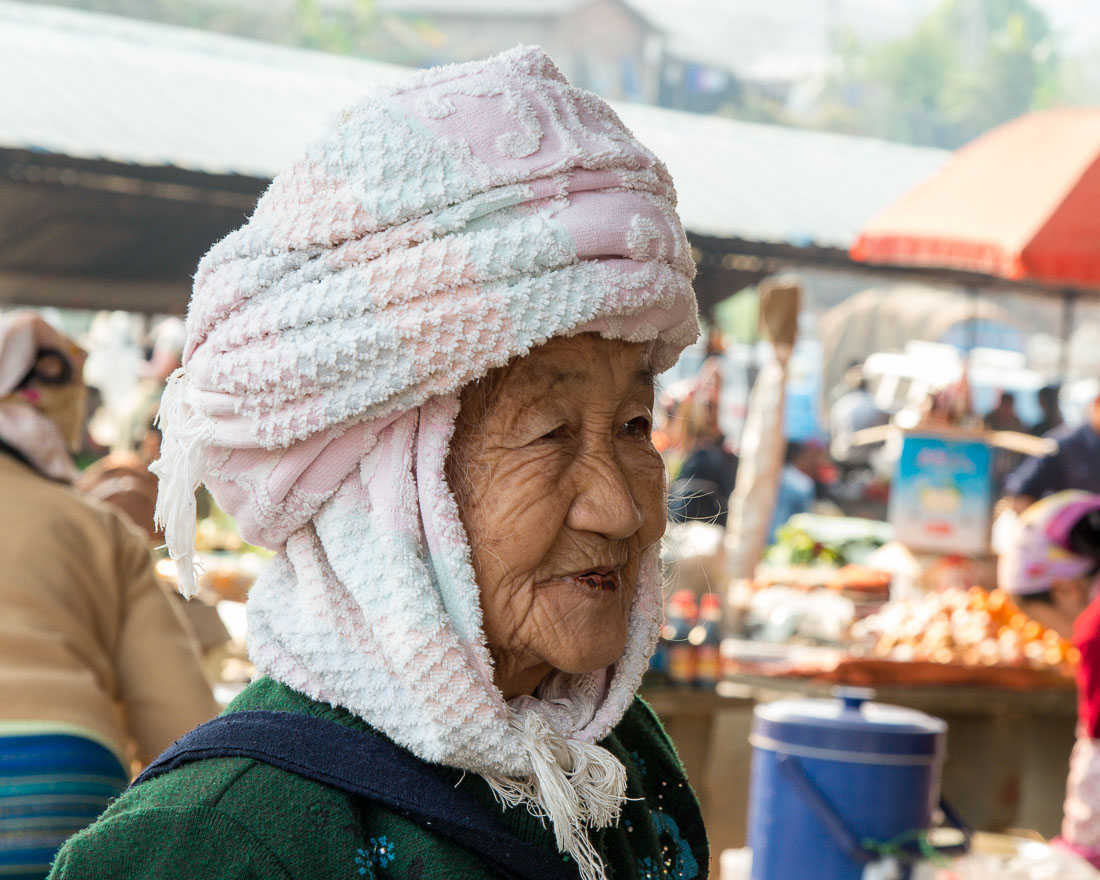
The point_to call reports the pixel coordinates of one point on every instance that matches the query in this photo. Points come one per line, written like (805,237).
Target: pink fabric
(1086,638)
(550,173)
(1081,812)
(1090,854)
(570,205)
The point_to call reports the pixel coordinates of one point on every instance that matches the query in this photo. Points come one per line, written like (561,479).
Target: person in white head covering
(422,373)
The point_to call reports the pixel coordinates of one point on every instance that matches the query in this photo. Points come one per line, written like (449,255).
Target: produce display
(809,540)
(974,627)
(972,637)
(859,579)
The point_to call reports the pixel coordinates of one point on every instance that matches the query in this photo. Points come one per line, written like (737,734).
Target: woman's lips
(605,580)
(591,581)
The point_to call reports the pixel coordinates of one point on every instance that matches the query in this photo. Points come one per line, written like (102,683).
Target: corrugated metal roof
(768,183)
(101,87)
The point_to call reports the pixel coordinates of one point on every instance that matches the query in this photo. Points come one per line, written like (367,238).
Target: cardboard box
(941,498)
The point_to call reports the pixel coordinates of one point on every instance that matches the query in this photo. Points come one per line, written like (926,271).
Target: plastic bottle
(706,638)
(679,620)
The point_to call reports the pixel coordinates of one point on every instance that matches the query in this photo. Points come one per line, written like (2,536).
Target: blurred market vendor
(797,487)
(702,488)
(1048,563)
(1059,556)
(1003,415)
(95,666)
(123,480)
(853,412)
(422,373)
(140,407)
(1074,464)
(1051,410)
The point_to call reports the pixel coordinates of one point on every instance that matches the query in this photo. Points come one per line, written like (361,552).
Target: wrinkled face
(561,491)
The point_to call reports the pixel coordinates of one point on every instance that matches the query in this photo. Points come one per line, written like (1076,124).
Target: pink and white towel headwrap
(439,229)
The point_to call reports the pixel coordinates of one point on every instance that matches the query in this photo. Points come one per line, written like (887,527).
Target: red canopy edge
(969,256)
(1060,267)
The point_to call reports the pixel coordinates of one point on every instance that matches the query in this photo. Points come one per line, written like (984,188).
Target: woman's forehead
(564,366)
(578,359)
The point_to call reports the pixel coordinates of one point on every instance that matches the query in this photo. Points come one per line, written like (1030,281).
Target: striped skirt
(51,785)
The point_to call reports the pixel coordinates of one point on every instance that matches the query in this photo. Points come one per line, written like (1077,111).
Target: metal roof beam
(82,292)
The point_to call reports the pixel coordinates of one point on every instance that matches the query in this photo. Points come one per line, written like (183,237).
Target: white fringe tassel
(186,433)
(575,785)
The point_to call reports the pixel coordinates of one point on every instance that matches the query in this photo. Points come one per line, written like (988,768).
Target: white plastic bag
(1033,861)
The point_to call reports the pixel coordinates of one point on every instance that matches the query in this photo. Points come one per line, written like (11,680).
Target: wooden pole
(1069,302)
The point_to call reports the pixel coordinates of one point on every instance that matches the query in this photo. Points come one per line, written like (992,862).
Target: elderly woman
(423,373)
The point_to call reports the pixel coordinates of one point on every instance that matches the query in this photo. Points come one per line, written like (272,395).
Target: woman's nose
(603,501)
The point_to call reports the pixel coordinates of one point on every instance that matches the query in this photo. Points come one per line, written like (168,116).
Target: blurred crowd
(99,666)
(846,467)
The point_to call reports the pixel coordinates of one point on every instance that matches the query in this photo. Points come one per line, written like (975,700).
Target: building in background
(606,46)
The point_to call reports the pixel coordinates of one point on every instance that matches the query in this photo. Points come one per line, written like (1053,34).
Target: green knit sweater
(239,818)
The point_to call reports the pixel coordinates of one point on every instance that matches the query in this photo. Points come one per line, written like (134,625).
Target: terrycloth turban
(437,230)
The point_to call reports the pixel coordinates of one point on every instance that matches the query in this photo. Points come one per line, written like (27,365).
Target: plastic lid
(848,724)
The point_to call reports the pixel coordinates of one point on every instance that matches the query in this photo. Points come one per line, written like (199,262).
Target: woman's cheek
(523,497)
(648,486)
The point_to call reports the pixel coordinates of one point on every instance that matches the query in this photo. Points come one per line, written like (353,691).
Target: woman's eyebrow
(549,375)
(646,377)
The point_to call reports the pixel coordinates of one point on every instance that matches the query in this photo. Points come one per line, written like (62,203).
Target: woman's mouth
(603,579)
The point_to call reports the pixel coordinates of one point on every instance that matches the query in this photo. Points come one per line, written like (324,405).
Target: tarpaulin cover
(1022,201)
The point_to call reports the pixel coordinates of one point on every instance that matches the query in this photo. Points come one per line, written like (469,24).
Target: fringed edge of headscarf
(575,785)
(186,435)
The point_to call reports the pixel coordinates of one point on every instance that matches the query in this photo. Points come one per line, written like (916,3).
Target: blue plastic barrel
(834,779)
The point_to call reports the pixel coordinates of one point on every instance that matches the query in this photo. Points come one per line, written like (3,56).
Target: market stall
(1007,750)
(912,608)
(1016,203)
(908,607)
(818,614)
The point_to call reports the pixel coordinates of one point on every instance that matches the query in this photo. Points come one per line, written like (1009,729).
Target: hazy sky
(1076,21)
(763,33)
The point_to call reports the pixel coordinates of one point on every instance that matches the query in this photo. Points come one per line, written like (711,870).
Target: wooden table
(1007,751)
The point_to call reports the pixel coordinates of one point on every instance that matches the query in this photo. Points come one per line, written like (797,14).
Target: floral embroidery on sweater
(364,866)
(678,860)
(380,851)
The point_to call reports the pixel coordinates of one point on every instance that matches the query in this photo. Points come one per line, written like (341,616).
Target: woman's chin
(581,660)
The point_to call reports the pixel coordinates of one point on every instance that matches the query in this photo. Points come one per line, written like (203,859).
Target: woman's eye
(637,427)
(557,433)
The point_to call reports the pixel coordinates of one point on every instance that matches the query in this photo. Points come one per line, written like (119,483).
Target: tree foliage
(968,66)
